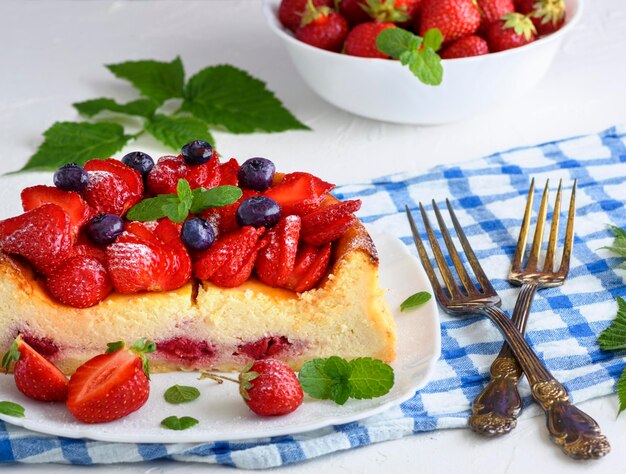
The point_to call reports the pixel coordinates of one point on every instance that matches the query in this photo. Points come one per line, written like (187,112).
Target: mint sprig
(177,206)
(419,54)
(178,424)
(11,409)
(336,379)
(181,394)
(415,301)
(221,97)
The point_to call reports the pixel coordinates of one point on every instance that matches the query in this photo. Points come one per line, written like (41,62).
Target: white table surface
(52,54)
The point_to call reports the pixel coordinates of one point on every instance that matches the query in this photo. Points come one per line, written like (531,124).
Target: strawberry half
(229,172)
(329,223)
(311,264)
(206,175)
(299,193)
(229,261)
(276,260)
(113,187)
(43,236)
(112,385)
(35,376)
(80,281)
(223,219)
(178,269)
(77,209)
(165,174)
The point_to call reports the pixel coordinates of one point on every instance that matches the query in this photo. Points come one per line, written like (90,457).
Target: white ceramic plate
(220,410)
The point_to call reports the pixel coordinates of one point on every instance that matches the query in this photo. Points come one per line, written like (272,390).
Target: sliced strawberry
(113,187)
(164,177)
(329,223)
(35,376)
(229,261)
(43,236)
(299,193)
(206,175)
(80,282)
(276,260)
(77,209)
(108,387)
(130,176)
(179,264)
(223,219)
(88,249)
(311,264)
(229,172)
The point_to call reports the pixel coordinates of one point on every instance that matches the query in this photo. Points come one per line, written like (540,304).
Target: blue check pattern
(489,196)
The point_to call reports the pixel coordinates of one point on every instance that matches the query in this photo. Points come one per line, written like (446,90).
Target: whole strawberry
(547,15)
(493,10)
(290,11)
(269,387)
(400,12)
(35,376)
(453,18)
(354,11)
(323,28)
(465,47)
(361,40)
(512,31)
(81,281)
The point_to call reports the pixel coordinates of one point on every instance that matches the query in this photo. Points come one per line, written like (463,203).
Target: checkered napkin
(489,196)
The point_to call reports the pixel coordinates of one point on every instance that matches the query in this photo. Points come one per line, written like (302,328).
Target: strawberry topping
(299,193)
(80,281)
(275,262)
(311,264)
(329,223)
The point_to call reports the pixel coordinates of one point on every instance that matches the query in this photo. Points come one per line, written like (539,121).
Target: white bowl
(385,90)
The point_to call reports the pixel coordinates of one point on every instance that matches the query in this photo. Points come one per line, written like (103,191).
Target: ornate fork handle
(577,434)
(495,410)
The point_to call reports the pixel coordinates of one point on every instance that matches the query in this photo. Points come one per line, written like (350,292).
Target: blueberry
(71,178)
(197,234)
(258,211)
(104,228)
(197,152)
(140,161)
(256,173)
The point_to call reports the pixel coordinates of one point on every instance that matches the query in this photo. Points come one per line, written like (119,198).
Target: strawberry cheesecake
(218,263)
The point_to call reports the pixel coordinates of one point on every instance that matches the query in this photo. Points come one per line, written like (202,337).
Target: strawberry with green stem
(290,11)
(453,18)
(512,31)
(548,16)
(322,27)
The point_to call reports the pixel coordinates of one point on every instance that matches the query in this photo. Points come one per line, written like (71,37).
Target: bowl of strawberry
(421,61)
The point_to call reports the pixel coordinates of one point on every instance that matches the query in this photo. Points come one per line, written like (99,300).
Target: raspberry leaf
(370,378)
(156,80)
(175,131)
(415,301)
(140,107)
(178,424)
(181,394)
(614,337)
(11,409)
(76,142)
(228,97)
(621,392)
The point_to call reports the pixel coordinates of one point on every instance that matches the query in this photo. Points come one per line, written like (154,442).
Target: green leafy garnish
(419,54)
(114,346)
(336,379)
(619,243)
(415,301)
(614,338)
(12,409)
(174,130)
(181,394)
(177,206)
(140,107)
(175,423)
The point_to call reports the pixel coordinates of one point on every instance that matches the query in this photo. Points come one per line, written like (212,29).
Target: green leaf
(621,392)
(619,243)
(181,394)
(427,67)
(184,193)
(415,301)
(214,197)
(339,371)
(141,107)
(77,142)
(175,423)
(394,41)
(314,380)
(12,409)
(370,378)
(12,355)
(114,346)
(228,97)
(340,392)
(176,211)
(156,80)
(614,337)
(433,39)
(151,209)
(176,131)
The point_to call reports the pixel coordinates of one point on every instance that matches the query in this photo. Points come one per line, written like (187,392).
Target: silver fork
(577,434)
(495,410)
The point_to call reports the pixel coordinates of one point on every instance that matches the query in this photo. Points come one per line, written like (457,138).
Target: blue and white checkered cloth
(489,196)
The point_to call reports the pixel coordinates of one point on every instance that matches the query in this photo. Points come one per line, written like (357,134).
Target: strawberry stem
(218,378)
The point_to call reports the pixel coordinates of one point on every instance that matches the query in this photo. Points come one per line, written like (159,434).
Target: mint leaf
(214,197)
(141,107)
(370,378)
(228,97)
(433,39)
(156,80)
(151,209)
(314,379)
(393,41)
(415,301)
(614,337)
(12,409)
(177,131)
(181,394)
(175,423)
(177,211)
(184,192)
(76,142)
(427,67)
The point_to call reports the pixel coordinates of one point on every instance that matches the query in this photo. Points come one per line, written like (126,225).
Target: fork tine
(548,265)
(523,232)
(454,255)
(448,279)
(535,249)
(469,253)
(569,234)
(430,272)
